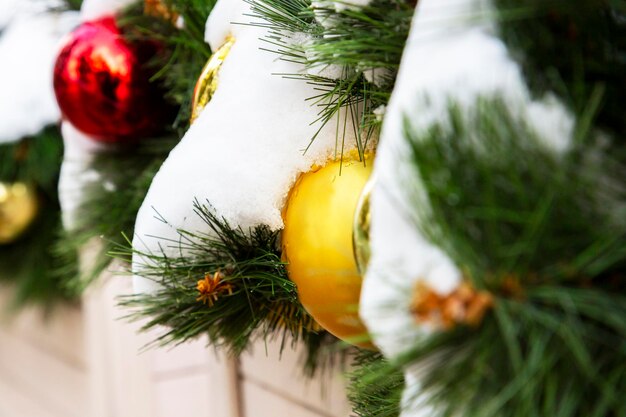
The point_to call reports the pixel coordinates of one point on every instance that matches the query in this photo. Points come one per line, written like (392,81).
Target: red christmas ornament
(102,87)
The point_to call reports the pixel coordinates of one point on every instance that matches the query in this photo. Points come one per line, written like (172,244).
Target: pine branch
(260,301)
(546,235)
(375,386)
(65,5)
(74,4)
(366,39)
(33,159)
(29,265)
(110,206)
(570,48)
(506,203)
(185,52)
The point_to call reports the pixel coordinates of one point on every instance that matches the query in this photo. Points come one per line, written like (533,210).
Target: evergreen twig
(185,52)
(571,48)
(29,264)
(375,386)
(110,206)
(369,38)
(545,233)
(263,303)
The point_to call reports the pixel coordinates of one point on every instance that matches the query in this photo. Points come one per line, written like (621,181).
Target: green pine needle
(571,47)
(110,206)
(506,208)
(185,52)
(264,302)
(371,37)
(29,264)
(375,386)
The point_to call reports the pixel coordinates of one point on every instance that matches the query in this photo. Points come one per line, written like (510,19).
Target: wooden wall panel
(86,362)
(15,402)
(261,402)
(42,364)
(282,374)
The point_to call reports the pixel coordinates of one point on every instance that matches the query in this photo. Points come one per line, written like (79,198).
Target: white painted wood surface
(86,362)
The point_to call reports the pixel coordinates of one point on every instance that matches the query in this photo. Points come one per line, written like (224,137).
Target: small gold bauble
(208,80)
(361,228)
(317,244)
(18,209)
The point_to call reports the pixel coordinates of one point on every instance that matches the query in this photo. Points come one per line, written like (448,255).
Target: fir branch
(185,52)
(507,208)
(375,386)
(65,5)
(570,48)
(323,353)
(503,202)
(263,303)
(29,265)
(370,38)
(110,206)
(34,160)
(74,4)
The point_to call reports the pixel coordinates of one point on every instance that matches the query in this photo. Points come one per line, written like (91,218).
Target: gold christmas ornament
(18,209)
(317,244)
(361,228)
(209,78)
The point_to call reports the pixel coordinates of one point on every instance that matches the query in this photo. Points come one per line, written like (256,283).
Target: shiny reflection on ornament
(361,228)
(18,210)
(103,87)
(317,243)
(208,81)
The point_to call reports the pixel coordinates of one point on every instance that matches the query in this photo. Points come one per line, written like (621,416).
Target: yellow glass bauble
(18,209)
(317,244)
(208,80)
(361,228)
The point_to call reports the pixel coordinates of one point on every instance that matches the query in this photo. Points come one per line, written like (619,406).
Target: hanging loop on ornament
(209,77)
(18,210)
(361,228)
